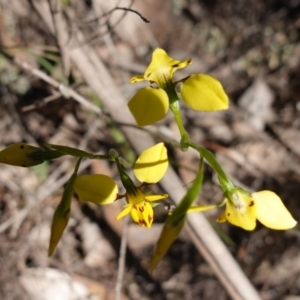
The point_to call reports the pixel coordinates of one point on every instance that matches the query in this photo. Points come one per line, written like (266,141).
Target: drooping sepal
(22,155)
(200,208)
(62,213)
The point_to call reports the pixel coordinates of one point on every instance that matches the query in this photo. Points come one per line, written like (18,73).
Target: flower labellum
(244,209)
(149,168)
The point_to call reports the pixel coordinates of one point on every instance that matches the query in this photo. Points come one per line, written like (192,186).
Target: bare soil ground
(252,47)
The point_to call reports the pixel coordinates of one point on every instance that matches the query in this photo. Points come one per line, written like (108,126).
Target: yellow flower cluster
(204,93)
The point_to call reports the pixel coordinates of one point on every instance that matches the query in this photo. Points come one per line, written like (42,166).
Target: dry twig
(122,259)
(65,91)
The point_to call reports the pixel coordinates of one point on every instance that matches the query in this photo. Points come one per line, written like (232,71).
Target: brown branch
(65,91)
(122,259)
(133,11)
(62,35)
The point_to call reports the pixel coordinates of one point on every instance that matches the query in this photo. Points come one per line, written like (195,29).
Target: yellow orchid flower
(140,207)
(265,206)
(161,69)
(149,168)
(199,91)
(243,209)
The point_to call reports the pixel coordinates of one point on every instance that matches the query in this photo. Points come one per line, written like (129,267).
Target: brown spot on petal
(142,222)
(134,206)
(228,214)
(150,219)
(251,203)
(189,61)
(175,66)
(141,208)
(148,75)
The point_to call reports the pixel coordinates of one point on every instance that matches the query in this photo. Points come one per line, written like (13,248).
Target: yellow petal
(162,67)
(200,208)
(142,214)
(151,198)
(136,197)
(22,155)
(222,218)
(242,213)
(204,93)
(152,164)
(99,189)
(149,105)
(271,212)
(137,78)
(126,210)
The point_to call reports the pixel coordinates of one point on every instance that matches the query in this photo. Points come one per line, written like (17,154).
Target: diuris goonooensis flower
(199,91)
(242,209)
(149,168)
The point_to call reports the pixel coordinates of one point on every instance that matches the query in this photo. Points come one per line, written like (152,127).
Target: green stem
(185,143)
(175,108)
(189,197)
(99,156)
(176,111)
(126,180)
(63,150)
(77,165)
(64,205)
(225,181)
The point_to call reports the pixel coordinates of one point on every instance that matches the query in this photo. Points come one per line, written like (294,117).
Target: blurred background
(252,47)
